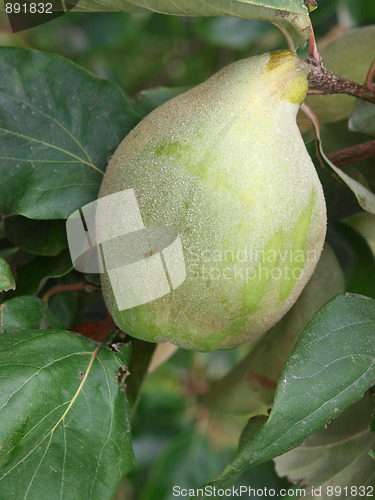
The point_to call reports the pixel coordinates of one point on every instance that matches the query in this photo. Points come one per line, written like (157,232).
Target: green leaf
(58,126)
(336,456)
(362,187)
(343,187)
(358,13)
(65,305)
(331,366)
(232,32)
(291,16)
(349,55)
(340,199)
(41,237)
(372,429)
(364,223)
(27,312)
(188,458)
(249,387)
(6,278)
(336,137)
(362,118)
(64,421)
(32,276)
(141,356)
(365,197)
(355,257)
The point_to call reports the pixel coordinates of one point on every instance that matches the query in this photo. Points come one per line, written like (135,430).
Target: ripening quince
(225,165)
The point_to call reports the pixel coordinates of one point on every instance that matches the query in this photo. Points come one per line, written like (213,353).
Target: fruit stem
(326,82)
(331,83)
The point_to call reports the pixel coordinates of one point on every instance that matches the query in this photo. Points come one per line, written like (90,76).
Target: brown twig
(327,82)
(81,285)
(353,154)
(331,83)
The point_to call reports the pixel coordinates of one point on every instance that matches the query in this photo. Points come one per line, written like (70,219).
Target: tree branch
(330,83)
(81,285)
(352,154)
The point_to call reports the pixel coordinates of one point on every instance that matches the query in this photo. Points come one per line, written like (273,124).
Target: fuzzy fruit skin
(225,164)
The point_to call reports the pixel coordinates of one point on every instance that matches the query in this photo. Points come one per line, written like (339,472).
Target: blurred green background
(148,50)
(177,441)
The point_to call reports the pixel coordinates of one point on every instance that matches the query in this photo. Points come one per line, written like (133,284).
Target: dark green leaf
(64,424)
(340,199)
(362,118)
(162,395)
(140,360)
(27,312)
(336,456)
(337,137)
(363,187)
(290,15)
(185,462)
(65,305)
(58,125)
(31,276)
(355,257)
(362,12)
(331,366)
(364,223)
(6,278)
(41,237)
(9,254)
(372,429)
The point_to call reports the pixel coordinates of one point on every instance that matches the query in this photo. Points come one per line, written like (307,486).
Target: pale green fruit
(249,388)
(225,165)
